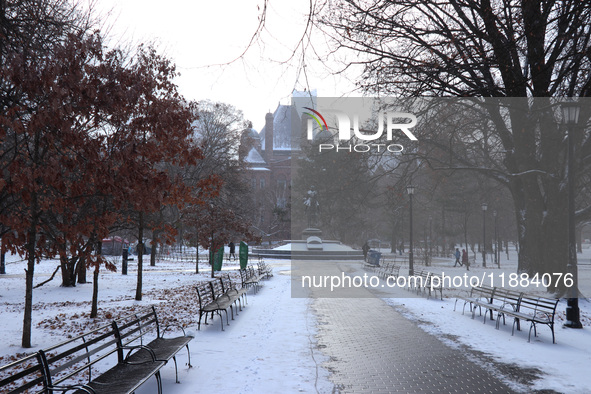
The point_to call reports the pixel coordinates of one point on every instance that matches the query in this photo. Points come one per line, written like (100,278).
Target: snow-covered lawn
(269,347)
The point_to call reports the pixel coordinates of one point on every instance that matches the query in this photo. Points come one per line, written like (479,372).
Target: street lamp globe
(570,112)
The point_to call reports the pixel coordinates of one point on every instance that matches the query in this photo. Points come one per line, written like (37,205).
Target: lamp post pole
(430,239)
(497,257)
(410,190)
(484,208)
(571,117)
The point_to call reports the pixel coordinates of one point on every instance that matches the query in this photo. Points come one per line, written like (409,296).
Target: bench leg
(159,382)
(222,318)
(189,355)
(533,325)
(515,321)
(176,370)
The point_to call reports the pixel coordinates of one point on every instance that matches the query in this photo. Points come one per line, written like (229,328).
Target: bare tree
(528,49)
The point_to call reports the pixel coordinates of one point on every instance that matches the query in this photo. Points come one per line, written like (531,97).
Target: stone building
(268,155)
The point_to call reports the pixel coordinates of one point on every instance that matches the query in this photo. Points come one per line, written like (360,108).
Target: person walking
(458,255)
(465,260)
(365,249)
(232,250)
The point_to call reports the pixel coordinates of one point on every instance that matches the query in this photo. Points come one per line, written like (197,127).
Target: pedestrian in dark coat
(365,249)
(465,259)
(232,250)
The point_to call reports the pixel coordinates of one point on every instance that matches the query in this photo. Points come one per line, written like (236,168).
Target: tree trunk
(155,235)
(68,268)
(95,278)
(153,254)
(140,257)
(542,232)
(2,259)
(466,229)
(212,255)
(29,274)
(94,308)
(81,271)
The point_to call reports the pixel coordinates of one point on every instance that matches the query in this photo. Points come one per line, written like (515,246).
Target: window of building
(262,183)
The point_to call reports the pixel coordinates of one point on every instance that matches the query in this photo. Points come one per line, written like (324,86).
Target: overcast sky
(199,35)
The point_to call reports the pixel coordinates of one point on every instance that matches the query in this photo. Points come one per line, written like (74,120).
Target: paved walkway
(372,348)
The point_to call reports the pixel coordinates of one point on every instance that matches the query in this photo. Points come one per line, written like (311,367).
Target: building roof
(254,157)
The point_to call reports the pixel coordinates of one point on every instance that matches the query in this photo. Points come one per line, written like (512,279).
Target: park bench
(143,326)
(421,281)
(478,295)
(222,297)
(435,284)
(21,375)
(208,304)
(536,310)
(392,270)
(74,365)
(502,299)
(264,269)
(426,282)
(229,288)
(250,278)
(511,303)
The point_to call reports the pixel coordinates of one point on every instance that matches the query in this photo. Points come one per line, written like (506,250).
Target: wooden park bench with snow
(250,278)
(478,295)
(510,303)
(72,366)
(264,270)
(426,282)
(217,296)
(208,304)
(230,290)
(388,270)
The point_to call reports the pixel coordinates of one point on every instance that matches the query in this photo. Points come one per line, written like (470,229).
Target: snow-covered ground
(271,346)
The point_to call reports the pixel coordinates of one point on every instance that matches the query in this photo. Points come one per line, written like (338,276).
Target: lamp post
(570,111)
(410,189)
(430,239)
(484,208)
(497,257)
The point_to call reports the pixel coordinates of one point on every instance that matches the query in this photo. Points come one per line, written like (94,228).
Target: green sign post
(243,255)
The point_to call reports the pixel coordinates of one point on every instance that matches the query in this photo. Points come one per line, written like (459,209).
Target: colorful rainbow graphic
(315,118)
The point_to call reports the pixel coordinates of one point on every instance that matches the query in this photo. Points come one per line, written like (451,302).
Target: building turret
(268,136)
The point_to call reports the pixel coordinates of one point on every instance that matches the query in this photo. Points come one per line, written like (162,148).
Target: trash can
(374,257)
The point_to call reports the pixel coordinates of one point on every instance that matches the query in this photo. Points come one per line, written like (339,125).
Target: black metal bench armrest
(140,347)
(76,387)
(549,316)
(173,325)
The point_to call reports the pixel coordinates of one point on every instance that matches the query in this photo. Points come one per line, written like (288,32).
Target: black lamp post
(430,239)
(410,190)
(570,111)
(497,257)
(484,208)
